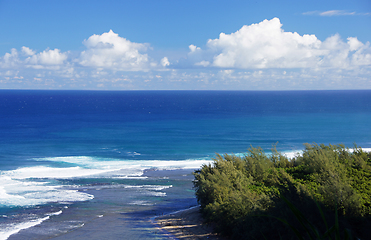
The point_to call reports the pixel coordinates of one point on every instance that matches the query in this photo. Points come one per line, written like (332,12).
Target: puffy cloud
(362,52)
(105,56)
(259,56)
(267,45)
(336,53)
(27,51)
(47,57)
(262,45)
(111,51)
(165,62)
(10,60)
(345,55)
(193,48)
(354,44)
(29,58)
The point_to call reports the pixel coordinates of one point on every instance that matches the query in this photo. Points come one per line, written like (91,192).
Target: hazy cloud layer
(331,13)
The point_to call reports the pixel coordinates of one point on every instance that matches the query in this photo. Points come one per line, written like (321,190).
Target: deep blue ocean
(101,164)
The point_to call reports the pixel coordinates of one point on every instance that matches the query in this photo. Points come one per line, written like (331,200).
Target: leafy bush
(236,192)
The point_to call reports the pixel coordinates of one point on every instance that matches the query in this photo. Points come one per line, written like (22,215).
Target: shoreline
(185,224)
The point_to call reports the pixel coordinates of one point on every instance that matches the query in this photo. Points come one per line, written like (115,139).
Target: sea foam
(11,229)
(27,192)
(108,164)
(29,186)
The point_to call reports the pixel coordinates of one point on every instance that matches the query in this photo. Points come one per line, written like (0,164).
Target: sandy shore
(186,224)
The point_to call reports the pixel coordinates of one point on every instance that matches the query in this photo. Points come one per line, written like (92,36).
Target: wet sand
(186,224)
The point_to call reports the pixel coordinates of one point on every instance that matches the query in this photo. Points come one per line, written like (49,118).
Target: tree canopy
(250,196)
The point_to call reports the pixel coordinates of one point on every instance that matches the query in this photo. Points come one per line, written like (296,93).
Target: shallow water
(119,211)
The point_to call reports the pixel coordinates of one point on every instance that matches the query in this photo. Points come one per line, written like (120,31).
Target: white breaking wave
(27,192)
(363,149)
(141,202)
(55,213)
(288,154)
(150,187)
(292,154)
(11,229)
(20,190)
(43,172)
(107,164)
(158,194)
(295,153)
(29,186)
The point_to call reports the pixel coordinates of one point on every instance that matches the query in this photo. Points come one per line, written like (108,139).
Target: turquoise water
(72,161)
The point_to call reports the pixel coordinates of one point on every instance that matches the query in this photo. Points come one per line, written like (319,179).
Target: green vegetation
(323,194)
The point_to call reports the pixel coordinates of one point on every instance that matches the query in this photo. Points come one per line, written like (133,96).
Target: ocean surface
(102,164)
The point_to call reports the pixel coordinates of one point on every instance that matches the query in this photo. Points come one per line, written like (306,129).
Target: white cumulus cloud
(29,58)
(345,55)
(267,45)
(111,51)
(354,44)
(165,62)
(46,57)
(257,56)
(27,51)
(10,60)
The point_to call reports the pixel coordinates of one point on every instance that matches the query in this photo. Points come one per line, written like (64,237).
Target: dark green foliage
(237,193)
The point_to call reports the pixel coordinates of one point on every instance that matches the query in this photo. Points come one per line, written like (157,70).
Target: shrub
(235,192)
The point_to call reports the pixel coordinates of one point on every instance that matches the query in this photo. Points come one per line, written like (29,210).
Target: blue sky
(232,45)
